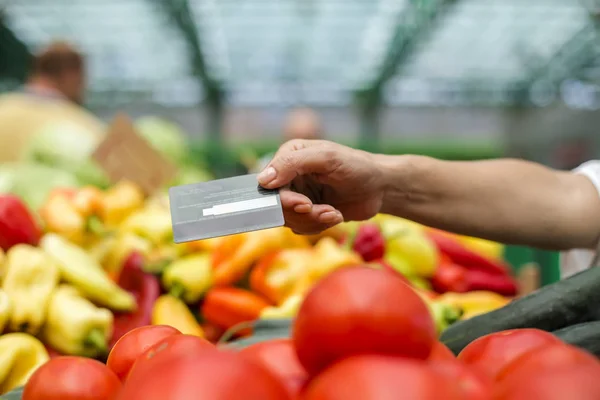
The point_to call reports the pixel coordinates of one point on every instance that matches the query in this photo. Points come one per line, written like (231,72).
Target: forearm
(507,200)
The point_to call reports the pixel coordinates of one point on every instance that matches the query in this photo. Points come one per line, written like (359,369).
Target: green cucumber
(564,303)
(585,336)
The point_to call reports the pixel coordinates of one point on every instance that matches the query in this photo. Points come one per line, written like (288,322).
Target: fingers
(299,158)
(296,202)
(319,218)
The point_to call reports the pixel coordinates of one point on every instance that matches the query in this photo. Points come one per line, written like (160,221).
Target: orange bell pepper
(275,275)
(229,306)
(232,262)
(73,213)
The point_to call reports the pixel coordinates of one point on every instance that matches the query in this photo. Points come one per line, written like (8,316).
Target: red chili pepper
(460,255)
(17,225)
(146,289)
(450,277)
(504,285)
(369,242)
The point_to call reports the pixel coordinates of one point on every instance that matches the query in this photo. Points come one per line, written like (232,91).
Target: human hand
(324,183)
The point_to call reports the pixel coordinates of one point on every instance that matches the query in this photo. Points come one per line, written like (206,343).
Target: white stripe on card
(245,205)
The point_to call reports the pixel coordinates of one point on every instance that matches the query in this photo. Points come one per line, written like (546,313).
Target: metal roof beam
(576,53)
(15,57)
(181,13)
(414,23)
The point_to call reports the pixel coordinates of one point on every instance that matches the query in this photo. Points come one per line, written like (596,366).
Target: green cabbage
(166,137)
(33,182)
(69,147)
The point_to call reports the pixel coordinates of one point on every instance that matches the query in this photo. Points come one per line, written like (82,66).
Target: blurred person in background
(506,200)
(52,95)
(301,123)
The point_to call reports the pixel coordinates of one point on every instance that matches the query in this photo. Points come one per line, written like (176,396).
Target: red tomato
(279,357)
(212,332)
(554,357)
(491,353)
(133,344)
(210,375)
(380,377)
(171,347)
(361,310)
(581,383)
(72,378)
(440,352)
(472,384)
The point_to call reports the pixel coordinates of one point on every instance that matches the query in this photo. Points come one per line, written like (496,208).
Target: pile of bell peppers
(106,263)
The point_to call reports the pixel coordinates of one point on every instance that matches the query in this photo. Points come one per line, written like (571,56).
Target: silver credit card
(223,207)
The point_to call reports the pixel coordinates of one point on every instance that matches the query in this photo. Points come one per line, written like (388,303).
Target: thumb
(288,164)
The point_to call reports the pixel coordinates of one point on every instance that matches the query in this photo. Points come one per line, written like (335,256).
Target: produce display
(59,155)
(374,344)
(105,264)
(98,302)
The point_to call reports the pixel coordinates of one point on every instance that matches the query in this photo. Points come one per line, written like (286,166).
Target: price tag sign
(125,155)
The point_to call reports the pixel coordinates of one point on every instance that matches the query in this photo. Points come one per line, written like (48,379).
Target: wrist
(400,178)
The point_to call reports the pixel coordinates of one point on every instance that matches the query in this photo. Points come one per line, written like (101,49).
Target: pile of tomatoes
(361,334)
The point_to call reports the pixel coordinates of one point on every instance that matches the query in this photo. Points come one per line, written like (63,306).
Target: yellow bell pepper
(417,249)
(122,246)
(337,232)
(393,226)
(327,257)
(151,223)
(120,201)
(189,277)
(31,276)
(5,310)
(20,356)
(486,248)
(443,314)
(287,309)
(78,268)
(101,248)
(75,326)
(474,303)
(161,256)
(169,310)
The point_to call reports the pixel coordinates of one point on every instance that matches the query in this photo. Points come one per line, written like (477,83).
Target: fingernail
(303,208)
(330,217)
(267,176)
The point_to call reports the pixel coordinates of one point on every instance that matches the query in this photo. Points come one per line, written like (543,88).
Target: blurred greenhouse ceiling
(324,52)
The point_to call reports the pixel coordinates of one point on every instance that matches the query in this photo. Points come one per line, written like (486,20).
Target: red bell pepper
(146,289)
(369,242)
(451,277)
(462,256)
(17,224)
